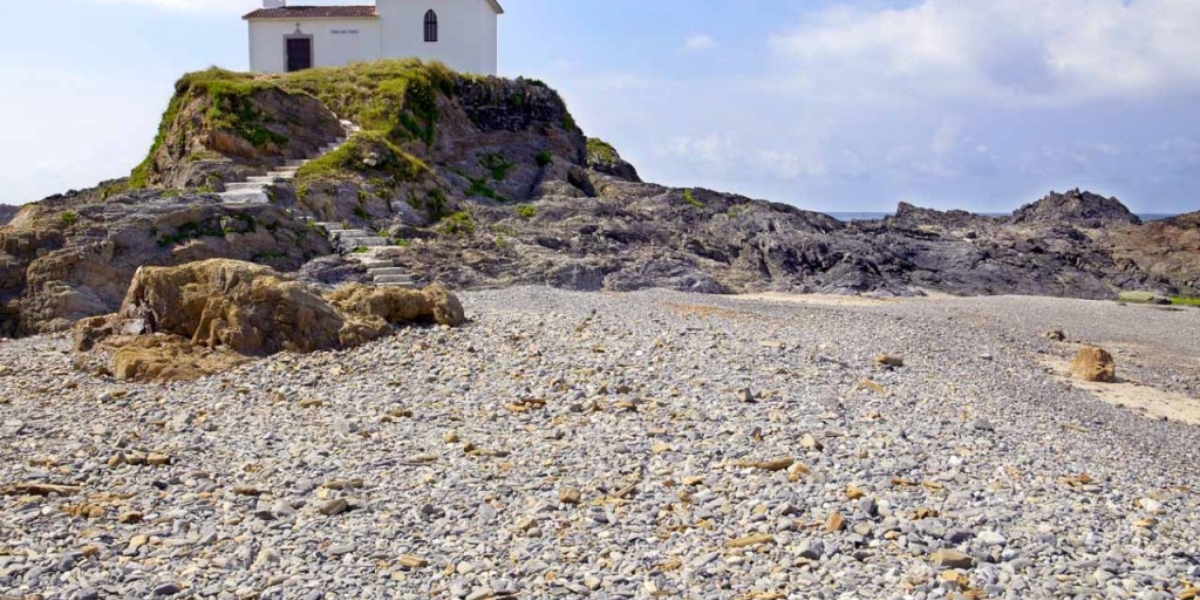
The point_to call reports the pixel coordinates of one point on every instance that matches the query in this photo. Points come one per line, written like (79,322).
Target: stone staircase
(356,245)
(254,189)
(363,247)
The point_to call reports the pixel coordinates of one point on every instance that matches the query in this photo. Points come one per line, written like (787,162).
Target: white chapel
(460,33)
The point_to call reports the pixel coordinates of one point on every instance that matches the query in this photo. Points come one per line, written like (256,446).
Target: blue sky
(829,105)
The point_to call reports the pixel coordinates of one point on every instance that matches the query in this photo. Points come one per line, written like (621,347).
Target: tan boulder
(203,317)
(168,358)
(1094,364)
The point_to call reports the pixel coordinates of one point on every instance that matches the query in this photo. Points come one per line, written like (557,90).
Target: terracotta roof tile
(313,12)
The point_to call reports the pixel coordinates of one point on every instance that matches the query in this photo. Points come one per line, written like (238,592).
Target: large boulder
(250,310)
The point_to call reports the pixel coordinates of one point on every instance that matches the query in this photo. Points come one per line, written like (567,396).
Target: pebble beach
(644,445)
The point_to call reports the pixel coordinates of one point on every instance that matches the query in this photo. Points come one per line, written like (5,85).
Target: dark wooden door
(299,54)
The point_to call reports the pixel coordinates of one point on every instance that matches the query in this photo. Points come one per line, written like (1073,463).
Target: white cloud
(208,6)
(1006,51)
(713,149)
(699,43)
(725,154)
(214,6)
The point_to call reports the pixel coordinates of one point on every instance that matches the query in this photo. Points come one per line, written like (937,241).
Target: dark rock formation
(483,181)
(1081,209)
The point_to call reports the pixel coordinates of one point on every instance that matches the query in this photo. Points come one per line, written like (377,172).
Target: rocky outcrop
(222,125)
(185,313)
(68,258)
(1167,249)
(603,158)
(1076,208)
(7,212)
(481,181)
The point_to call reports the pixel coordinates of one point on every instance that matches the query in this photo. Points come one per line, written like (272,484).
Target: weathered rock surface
(174,318)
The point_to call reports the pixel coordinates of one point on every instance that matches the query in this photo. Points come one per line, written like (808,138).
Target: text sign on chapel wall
(344,31)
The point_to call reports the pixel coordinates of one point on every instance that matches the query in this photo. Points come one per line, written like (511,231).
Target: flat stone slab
(393,279)
(369,242)
(243,187)
(388,270)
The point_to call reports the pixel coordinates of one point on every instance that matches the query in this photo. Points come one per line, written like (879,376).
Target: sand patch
(1151,402)
(822,299)
(704,310)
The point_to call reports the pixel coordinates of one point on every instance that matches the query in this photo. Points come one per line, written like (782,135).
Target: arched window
(431,33)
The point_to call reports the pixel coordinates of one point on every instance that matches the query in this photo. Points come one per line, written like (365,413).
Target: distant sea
(847,217)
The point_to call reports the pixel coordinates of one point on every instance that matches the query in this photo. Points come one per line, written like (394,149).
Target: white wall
(467,36)
(466,32)
(267,46)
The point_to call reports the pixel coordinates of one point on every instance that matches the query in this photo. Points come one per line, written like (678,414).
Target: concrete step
(243,187)
(409,285)
(388,270)
(245,197)
(262,180)
(330,226)
(350,233)
(370,263)
(295,164)
(369,242)
(282,175)
(393,279)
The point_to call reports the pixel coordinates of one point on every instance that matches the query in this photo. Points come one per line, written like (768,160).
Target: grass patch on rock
(367,153)
(458,223)
(601,152)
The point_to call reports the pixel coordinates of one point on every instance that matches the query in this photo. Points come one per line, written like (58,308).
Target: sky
(851,105)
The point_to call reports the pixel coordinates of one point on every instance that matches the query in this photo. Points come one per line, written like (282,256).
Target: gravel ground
(569,445)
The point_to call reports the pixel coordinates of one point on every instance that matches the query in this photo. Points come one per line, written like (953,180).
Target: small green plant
(363,195)
(691,199)
(459,223)
(479,187)
(190,231)
(361,250)
(265,256)
(544,158)
(1185,301)
(526,211)
(401,242)
(361,212)
(497,165)
(69,218)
